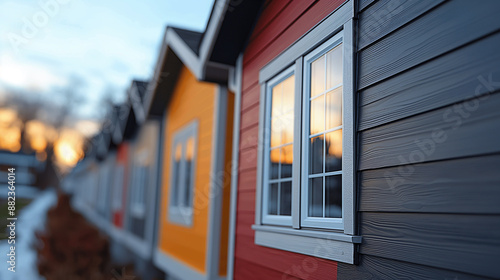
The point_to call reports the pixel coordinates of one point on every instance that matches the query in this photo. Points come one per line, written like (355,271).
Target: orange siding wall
(191,100)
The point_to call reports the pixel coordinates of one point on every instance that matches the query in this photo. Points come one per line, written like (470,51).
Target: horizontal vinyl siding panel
(279,25)
(244,226)
(466,72)
(374,268)
(270,12)
(467,243)
(249,137)
(468,185)
(383,17)
(291,265)
(250,117)
(414,140)
(250,97)
(244,270)
(434,34)
(247,200)
(191,100)
(247,179)
(248,160)
(363,4)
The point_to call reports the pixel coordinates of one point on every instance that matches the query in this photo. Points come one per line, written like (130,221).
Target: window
(139,184)
(305,189)
(183,154)
(321,186)
(279,152)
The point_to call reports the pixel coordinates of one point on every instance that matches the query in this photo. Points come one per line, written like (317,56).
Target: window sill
(327,245)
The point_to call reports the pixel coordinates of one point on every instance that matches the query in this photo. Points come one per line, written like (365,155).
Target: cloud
(15,73)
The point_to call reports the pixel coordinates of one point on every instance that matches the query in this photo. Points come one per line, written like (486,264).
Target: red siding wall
(280,24)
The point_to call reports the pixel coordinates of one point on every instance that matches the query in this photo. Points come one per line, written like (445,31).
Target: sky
(47,45)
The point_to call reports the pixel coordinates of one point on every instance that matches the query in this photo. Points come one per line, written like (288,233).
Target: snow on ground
(30,219)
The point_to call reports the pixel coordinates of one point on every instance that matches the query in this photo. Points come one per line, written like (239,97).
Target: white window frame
(267,218)
(329,238)
(181,214)
(305,221)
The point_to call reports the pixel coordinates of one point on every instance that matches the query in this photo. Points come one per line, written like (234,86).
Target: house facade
(326,139)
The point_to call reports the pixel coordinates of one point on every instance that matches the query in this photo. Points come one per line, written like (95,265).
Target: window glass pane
(287,128)
(277,100)
(334,67)
(317,114)
(316,155)
(272,203)
(274,163)
(175,174)
(288,94)
(334,108)
(315,208)
(286,161)
(286,198)
(189,172)
(333,196)
(318,76)
(333,160)
(276,125)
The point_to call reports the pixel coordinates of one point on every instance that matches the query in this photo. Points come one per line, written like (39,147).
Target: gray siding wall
(428,140)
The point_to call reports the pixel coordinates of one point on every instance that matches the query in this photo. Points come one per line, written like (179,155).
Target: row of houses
(324,139)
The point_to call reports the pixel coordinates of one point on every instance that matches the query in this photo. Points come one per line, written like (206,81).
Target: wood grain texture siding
(363,4)
(445,80)
(191,100)
(279,26)
(470,185)
(434,34)
(457,242)
(374,268)
(383,17)
(270,12)
(450,132)
(428,140)
(289,265)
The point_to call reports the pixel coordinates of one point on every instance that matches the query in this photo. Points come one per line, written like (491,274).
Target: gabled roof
(104,138)
(210,56)
(136,94)
(191,38)
(229,26)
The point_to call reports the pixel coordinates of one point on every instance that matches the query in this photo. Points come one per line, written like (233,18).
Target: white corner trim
(332,246)
(217,176)
(234,168)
